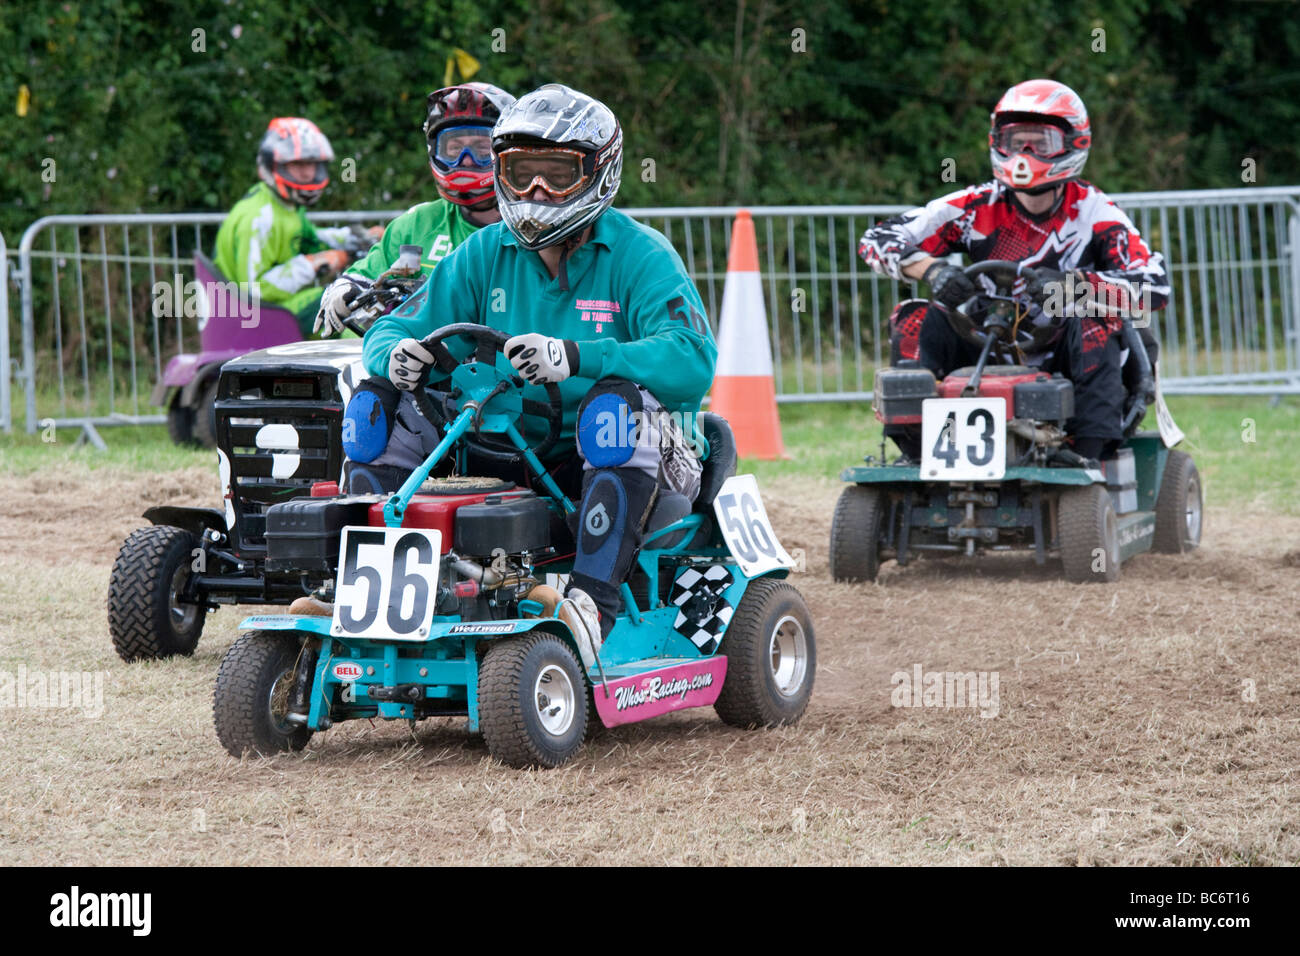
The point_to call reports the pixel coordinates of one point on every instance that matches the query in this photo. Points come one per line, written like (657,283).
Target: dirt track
(1154,721)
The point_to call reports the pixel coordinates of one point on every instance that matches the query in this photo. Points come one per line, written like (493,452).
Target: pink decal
(651,693)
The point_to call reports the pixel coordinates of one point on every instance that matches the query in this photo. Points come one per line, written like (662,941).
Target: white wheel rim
(1193,516)
(1112,536)
(555,699)
(788,656)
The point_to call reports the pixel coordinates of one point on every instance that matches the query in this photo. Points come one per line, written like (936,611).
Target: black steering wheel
(488,343)
(1003,316)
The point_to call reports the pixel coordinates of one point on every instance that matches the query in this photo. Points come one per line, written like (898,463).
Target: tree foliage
(155,106)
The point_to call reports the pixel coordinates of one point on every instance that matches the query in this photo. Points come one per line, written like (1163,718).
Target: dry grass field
(1156,721)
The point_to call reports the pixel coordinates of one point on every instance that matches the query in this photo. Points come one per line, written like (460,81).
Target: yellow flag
(24,98)
(467,64)
(462,62)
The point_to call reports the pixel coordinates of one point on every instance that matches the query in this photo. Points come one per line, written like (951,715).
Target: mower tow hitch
(397,694)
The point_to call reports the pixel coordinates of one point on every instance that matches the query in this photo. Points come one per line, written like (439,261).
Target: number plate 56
(388,583)
(744,525)
(963,439)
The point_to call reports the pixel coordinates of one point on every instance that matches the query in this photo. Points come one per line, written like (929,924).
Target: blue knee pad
(607,423)
(369,419)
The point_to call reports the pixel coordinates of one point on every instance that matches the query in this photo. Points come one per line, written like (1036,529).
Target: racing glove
(949,285)
(408,363)
(1051,289)
(541,359)
(336,304)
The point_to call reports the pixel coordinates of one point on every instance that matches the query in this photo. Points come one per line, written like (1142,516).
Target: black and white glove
(541,359)
(949,285)
(408,363)
(336,304)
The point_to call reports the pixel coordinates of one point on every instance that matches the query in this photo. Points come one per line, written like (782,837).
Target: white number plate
(749,535)
(388,583)
(963,439)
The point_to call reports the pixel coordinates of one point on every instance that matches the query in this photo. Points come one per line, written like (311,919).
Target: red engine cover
(992,385)
(436,512)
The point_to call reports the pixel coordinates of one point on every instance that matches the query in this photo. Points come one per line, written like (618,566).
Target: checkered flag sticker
(702,614)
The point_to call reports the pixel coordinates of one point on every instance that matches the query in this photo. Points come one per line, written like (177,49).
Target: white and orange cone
(744,390)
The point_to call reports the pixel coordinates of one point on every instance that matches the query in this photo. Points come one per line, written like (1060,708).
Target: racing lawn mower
(995,472)
(441,606)
(278,415)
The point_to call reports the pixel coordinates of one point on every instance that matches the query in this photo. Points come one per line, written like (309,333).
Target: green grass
(822,438)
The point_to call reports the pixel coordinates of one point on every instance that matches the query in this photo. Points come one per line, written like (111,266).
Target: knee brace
(615,505)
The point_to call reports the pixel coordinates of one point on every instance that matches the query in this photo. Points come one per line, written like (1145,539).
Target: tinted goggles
(1042,139)
(558,171)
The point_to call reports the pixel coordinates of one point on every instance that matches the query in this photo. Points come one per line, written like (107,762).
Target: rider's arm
(451,294)
(904,246)
(1124,273)
(264,259)
(673,352)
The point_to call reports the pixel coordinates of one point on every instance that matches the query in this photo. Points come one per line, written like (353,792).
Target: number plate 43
(964,439)
(745,528)
(388,583)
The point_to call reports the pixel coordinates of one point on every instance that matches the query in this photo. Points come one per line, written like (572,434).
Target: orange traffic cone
(744,391)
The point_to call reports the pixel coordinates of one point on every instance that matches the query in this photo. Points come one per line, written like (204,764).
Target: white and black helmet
(557,116)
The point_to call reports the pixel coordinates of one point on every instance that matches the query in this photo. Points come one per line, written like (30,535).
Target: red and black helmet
(456,109)
(1038,135)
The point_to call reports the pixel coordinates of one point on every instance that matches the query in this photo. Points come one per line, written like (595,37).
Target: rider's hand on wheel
(408,363)
(1049,285)
(329,262)
(541,359)
(336,304)
(948,284)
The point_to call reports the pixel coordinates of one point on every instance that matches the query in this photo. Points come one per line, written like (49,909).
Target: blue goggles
(454,143)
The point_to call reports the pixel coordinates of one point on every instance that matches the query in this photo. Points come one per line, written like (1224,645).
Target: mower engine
(492,533)
(1038,405)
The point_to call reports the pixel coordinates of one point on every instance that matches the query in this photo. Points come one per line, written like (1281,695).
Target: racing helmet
(1038,136)
(568,144)
(292,139)
(458,121)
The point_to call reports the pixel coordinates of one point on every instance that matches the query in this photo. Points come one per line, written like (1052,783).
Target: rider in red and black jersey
(1093,266)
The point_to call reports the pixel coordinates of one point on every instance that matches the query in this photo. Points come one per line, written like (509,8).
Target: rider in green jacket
(457,129)
(267,241)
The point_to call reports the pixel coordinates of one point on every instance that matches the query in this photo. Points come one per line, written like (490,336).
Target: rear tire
(145,619)
(251,699)
(180,422)
(532,701)
(855,534)
(1089,535)
(771,657)
(205,415)
(1180,511)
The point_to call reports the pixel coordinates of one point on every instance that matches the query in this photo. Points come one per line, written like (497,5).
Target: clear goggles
(454,143)
(1042,139)
(558,171)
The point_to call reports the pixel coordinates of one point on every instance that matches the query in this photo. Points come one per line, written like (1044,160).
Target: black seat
(721,461)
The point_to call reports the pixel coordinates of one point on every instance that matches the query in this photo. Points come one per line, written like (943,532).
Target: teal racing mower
(443,599)
(995,472)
